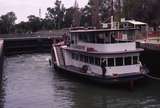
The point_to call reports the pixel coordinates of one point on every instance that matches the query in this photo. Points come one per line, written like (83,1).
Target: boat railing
(108,47)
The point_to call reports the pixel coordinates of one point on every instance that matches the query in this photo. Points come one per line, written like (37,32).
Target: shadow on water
(89,95)
(31,83)
(2,94)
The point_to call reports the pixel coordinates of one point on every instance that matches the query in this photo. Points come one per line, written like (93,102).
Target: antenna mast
(112,15)
(40,12)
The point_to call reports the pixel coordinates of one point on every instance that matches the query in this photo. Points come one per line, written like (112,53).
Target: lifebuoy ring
(85,68)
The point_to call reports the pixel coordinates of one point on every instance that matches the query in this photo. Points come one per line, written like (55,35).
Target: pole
(112,16)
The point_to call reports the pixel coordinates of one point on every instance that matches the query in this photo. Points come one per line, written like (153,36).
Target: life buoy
(85,68)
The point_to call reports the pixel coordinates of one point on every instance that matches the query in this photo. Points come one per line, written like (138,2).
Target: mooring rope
(152,77)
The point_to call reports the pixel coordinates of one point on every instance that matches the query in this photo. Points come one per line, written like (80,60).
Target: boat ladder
(59,55)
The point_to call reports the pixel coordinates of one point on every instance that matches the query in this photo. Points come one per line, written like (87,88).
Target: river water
(29,82)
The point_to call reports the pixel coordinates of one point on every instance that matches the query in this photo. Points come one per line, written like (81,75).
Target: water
(29,82)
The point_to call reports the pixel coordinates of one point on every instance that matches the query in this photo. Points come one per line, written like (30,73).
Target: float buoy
(85,68)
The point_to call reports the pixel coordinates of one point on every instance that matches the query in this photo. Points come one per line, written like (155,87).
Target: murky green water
(29,82)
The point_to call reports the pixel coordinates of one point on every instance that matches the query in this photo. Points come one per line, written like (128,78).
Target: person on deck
(103,66)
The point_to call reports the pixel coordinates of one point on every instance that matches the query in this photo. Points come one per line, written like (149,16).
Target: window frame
(112,63)
(133,60)
(126,62)
(120,63)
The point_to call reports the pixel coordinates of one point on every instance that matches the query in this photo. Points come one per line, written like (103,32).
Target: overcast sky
(24,8)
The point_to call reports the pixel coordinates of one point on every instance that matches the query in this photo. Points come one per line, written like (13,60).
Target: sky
(24,8)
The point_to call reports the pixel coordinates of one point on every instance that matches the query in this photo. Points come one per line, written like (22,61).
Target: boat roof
(101,30)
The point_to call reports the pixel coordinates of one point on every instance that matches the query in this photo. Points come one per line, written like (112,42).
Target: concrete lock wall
(1,59)
(21,46)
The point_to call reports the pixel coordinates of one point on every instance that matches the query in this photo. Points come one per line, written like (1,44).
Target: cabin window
(83,37)
(76,57)
(135,59)
(107,38)
(119,61)
(103,60)
(97,61)
(73,56)
(86,59)
(81,57)
(100,38)
(91,60)
(91,37)
(110,62)
(80,36)
(128,60)
(72,41)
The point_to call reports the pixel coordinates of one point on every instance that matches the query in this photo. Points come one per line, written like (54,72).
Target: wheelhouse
(101,36)
(102,40)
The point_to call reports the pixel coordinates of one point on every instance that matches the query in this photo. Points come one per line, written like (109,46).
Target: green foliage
(86,16)
(7,22)
(22,27)
(35,23)
(68,17)
(56,14)
(58,17)
(48,24)
(143,10)
(105,9)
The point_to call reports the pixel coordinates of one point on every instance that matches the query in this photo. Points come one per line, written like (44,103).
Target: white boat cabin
(92,47)
(102,40)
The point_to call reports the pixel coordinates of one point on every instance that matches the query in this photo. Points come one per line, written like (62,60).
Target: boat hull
(98,78)
(151,58)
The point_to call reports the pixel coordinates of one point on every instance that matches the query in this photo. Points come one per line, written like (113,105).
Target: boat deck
(80,71)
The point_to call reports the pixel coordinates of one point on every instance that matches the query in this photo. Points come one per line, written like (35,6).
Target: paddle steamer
(97,55)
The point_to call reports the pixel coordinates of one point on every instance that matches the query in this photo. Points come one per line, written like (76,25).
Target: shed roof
(101,30)
(135,22)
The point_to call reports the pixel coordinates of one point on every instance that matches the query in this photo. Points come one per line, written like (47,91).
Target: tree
(68,17)
(86,16)
(106,9)
(143,10)
(57,14)
(100,10)
(95,12)
(7,22)
(48,24)
(76,15)
(35,23)
(22,27)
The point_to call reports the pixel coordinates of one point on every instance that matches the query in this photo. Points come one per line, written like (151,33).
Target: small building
(133,24)
(142,28)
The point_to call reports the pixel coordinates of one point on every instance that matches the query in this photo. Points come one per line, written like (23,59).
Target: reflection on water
(30,83)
